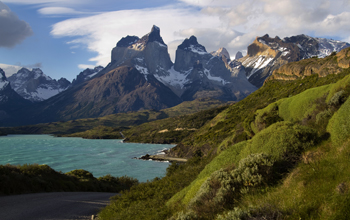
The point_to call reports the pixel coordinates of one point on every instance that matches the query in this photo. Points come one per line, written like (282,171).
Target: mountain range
(142,76)
(267,54)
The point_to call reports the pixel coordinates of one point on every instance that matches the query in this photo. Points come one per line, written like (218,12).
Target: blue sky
(63,37)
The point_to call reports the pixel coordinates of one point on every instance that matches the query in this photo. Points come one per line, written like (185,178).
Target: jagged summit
(239,55)
(127,41)
(3,80)
(154,35)
(87,74)
(192,45)
(267,54)
(35,86)
(221,52)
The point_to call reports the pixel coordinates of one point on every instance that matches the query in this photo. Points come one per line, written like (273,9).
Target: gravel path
(53,206)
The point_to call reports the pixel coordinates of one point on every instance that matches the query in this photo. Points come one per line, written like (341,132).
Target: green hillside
(281,153)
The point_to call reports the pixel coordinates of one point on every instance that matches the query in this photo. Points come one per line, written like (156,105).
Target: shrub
(266,117)
(324,116)
(337,99)
(284,141)
(223,188)
(185,216)
(81,174)
(235,214)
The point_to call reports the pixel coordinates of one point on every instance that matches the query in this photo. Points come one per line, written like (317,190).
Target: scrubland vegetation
(32,178)
(281,153)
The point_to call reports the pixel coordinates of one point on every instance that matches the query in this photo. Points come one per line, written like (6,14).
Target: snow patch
(142,70)
(260,63)
(174,78)
(197,50)
(3,85)
(162,45)
(215,78)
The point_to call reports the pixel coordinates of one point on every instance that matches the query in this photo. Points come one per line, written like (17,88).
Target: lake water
(100,157)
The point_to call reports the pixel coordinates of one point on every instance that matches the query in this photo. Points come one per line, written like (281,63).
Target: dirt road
(53,206)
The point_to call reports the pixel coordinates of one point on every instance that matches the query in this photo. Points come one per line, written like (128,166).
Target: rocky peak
(192,45)
(86,75)
(3,80)
(35,86)
(239,55)
(267,54)
(189,52)
(127,41)
(222,53)
(153,36)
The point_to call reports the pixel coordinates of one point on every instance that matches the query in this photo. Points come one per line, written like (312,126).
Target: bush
(81,174)
(235,214)
(223,188)
(284,141)
(337,99)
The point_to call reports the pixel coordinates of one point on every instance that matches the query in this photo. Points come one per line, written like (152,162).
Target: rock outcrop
(267,54)
(332,64)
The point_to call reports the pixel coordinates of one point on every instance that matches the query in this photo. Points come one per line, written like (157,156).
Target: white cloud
(85,66)
(9,69)
(12,30)
(59,11)
(100,33)
(219,23)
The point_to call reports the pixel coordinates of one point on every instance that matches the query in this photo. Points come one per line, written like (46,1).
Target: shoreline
(162,157)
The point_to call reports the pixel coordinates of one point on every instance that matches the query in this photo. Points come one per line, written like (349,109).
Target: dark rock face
(127,41)
(239,55)
(84,76)
(208,75)
(150,52)
(10,101)
(189,52)
(35,85)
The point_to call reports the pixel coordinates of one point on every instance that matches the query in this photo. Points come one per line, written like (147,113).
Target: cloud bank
(220,23)
(12,30)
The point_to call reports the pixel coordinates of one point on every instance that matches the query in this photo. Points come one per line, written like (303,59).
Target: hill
(281,153)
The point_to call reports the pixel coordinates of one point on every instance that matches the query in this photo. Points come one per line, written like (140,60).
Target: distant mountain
(10,101)
(195,73)
(35,86)
(267,54)
(86,75)
(333,64)
(141,76)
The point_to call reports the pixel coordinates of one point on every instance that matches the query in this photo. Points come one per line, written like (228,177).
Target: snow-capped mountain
(87,74)
(267,54)
(3,81)
(195,73)
(35,86)
(10,101)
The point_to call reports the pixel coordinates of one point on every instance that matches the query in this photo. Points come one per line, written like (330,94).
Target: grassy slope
(272,140)
(229,125)
(307,156)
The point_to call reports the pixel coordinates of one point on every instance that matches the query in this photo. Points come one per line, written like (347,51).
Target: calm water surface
(100,157)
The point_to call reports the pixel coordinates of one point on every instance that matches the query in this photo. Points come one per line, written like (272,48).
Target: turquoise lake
(100,157)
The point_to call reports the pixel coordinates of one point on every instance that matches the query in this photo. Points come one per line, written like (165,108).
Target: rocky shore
(162,157)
